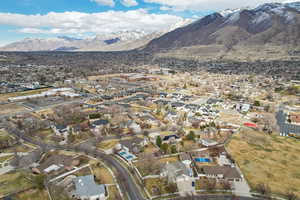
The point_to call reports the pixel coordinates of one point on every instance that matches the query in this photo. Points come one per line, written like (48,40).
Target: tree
(263,189)
(158,141)
(256,103)
(39,181)
(173,149)
(172,188)
(191,136)
(165,147)
(291,195)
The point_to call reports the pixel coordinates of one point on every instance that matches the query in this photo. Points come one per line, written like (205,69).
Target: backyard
(14,181)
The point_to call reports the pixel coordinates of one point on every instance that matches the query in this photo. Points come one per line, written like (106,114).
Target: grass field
(103,176)
(33,194)
(13,182)
(107,144)
(4,97)
(271,160)
(11,108)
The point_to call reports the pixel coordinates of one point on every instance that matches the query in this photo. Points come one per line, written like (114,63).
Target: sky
(86,18)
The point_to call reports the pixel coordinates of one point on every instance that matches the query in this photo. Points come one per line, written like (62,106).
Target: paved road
(124,179)
(214,197)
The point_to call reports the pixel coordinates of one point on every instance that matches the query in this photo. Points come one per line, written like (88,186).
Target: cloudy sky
(83,18)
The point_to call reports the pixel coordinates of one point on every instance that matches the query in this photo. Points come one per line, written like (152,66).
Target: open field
(19,148)
(103,176)
(11,108)
(13,182)
(107,144)
(4,135)
(271,160)
(233,118)
(4,97)
(33,194)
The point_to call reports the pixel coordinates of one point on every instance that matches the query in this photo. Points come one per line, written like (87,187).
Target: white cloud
(89,23)
(204,5)
(129,3)
(110,3)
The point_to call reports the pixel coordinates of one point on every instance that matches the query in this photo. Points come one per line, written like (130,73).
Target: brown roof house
(222,173)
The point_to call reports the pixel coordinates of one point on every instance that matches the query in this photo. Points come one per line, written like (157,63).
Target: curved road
(125,181)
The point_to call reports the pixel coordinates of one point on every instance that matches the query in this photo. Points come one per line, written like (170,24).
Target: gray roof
(100,122)
(286,128)
(131,144)
(227,172)
(61,127)
(86,187)
(176,169)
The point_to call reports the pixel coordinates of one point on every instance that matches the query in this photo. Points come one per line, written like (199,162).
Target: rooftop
(86,186)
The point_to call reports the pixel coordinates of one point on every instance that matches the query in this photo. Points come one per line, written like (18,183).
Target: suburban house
(131,125)
(61,130)
(208,142)
(222,173)
(99,125)
(181,175)
(294,118)
(171,139)
(287,129)
(172,117)
(87,189)
(56,164)
(134,145)
(243,107)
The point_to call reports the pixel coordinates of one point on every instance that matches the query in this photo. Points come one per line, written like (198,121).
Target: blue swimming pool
(127,156)
(202,160)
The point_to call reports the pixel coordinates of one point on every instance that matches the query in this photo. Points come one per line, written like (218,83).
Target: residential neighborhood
(170,133)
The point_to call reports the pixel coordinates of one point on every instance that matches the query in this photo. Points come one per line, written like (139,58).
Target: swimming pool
(127,156)
(202,160)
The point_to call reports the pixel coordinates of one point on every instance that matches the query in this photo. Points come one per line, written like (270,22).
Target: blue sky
(81,18)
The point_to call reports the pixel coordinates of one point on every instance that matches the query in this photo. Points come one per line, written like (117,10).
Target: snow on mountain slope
(123,40)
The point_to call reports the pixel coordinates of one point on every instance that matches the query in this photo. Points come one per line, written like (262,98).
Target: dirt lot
(271,160)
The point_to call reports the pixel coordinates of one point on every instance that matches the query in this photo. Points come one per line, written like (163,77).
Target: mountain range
(271,31)
(117,41)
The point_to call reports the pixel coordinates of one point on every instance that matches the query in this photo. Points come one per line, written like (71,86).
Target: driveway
(241,189)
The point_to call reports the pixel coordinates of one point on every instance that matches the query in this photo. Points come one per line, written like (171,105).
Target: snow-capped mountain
(271,23)
(117,41)
(227,12)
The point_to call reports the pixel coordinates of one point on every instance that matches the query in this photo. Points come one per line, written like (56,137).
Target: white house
(208,142)
(61,130)
(87,189)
